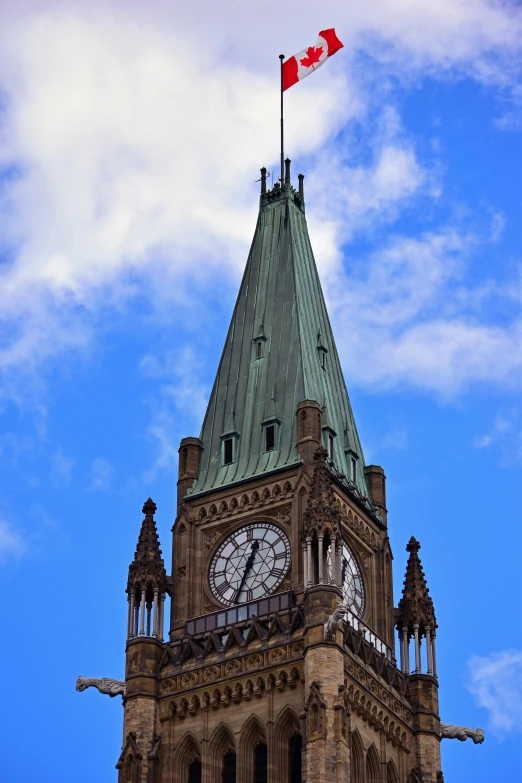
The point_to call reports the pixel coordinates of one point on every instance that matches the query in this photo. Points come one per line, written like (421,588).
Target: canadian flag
(309,60)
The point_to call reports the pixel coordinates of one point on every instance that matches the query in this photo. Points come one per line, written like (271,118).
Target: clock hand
(248,566)
(344,566)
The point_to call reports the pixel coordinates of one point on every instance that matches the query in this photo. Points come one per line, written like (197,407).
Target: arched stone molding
(373,765)
(392,776)
(357,758)
(221,742)
(287,726)
(186,751)
(253,733)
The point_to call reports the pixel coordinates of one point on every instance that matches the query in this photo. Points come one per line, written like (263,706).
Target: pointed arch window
(295,747)
(260,763)
(194,771)
(228,769)
(372,766)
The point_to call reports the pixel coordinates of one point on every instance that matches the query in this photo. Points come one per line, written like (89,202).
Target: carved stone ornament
(332,624)
(104,685)
(449,731)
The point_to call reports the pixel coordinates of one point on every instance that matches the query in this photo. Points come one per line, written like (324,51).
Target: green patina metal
(281,305)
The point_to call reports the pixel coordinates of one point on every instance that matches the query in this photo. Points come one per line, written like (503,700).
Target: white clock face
(352,583)
(249,564)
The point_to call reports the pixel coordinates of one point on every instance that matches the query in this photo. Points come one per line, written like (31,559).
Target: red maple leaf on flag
(313,56)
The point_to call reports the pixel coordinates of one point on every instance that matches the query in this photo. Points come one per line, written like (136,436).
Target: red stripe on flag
(290,73)
(334,44)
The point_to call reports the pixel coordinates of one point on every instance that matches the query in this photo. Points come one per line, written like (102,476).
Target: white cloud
(61,467)
(496,683)
(404,317)
(504,437)
(12,543)
(102,473)
(132,140)
(178,404)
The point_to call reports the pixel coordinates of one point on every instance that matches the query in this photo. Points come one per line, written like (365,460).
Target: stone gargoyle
(332,624)
(449,731)
(104,685)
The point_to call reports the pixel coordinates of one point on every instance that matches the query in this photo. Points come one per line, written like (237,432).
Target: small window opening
(183,462)
(260,763)
(330,445)
(228,451)
(270,437)
(295,747)
(194,775)
(353,465)
(259,349)
(323,359)
(228,770)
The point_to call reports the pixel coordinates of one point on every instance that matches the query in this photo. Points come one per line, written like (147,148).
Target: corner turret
(147,582)
(416,615)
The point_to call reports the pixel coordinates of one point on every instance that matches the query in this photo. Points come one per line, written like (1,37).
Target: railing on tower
(240,613)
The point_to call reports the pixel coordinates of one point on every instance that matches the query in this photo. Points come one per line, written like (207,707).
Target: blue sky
(130,142)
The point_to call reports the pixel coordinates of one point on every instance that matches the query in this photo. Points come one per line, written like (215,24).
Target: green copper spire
(279,351)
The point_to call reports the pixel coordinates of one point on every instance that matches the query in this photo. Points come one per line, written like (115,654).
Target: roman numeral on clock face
(250,563)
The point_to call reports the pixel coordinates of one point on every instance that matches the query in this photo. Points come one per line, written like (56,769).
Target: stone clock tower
(278,662)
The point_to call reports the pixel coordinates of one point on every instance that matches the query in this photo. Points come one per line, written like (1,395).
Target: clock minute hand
(248,566)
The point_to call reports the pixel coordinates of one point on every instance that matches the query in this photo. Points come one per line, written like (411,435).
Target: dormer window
(270,437)
(323,350)
(259,342)
(330,446)
(228,451)
(229,444)
(352,458)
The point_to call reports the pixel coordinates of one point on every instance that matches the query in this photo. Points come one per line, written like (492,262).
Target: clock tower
(282,658)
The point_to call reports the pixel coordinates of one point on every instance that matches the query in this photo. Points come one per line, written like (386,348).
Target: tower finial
(301,186)
(287,171)
(263,180)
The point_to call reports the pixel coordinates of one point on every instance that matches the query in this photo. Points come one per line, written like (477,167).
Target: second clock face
(352,583)
(353,587)
(250,563)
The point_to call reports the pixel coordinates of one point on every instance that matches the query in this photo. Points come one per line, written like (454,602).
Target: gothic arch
(221,743)
(187,751)
(286,726)
(372,765)
(357,758)
(391,773)
(253,734)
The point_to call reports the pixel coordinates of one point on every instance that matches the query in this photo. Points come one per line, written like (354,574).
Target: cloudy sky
(131,137)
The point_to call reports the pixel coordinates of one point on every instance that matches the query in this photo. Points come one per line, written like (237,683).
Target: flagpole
(282,57)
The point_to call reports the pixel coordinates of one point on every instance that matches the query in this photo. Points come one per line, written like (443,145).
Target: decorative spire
(280,300)
(148,565)
(148,547)
(416,605)
(321,512)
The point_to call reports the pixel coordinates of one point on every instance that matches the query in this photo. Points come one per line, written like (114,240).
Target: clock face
(249,564)
(352,583)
